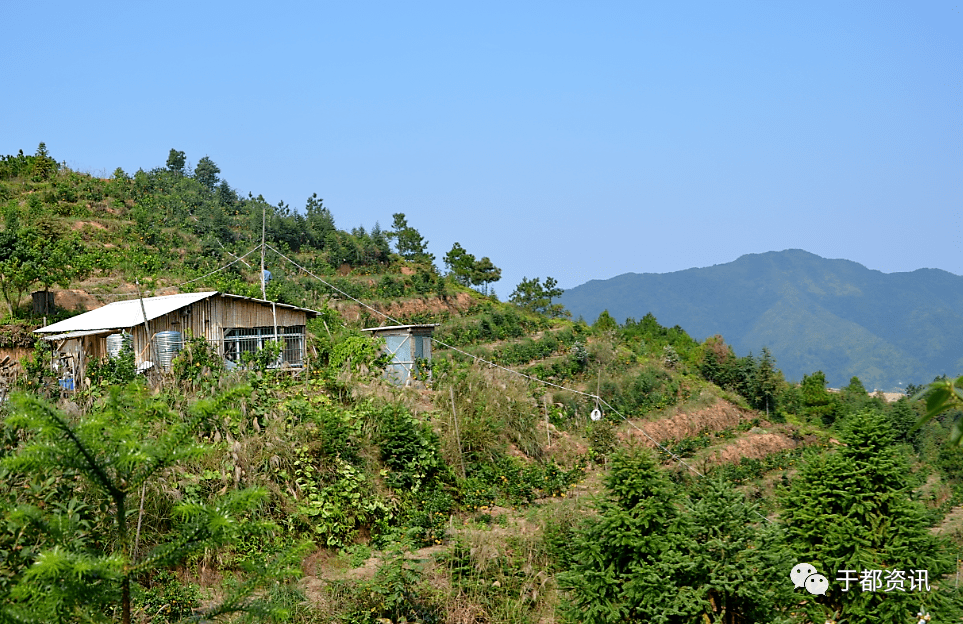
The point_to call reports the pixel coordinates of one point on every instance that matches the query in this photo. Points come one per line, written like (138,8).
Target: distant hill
(889,329)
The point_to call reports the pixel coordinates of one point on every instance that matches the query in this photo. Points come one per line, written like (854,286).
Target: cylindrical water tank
(168,343)
(117,343)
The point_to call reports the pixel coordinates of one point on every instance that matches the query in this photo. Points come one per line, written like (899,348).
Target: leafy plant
(110,455)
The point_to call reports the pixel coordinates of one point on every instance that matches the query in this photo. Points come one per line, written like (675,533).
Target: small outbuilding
(155,327)
(408,346)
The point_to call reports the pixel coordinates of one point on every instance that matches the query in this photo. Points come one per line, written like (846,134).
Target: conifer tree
(82,564)
(740,562)
(852,510)
(631,563)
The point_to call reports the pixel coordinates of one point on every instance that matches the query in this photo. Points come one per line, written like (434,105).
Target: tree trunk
(125,583)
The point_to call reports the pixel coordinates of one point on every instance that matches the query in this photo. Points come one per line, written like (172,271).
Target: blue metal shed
(408,345)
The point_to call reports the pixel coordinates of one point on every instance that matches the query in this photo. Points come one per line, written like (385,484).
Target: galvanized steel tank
(168,344)
(117,343)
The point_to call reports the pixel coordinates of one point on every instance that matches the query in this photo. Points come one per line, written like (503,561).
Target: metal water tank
(168,343)
(117,343)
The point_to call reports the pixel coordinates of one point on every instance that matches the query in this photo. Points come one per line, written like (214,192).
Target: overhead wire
(196,279)
(387,316)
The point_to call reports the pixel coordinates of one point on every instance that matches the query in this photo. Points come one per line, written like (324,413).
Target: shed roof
(124,314)
(399,328)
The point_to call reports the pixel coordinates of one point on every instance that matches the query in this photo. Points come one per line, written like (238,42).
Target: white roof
(124,314)
(399,328)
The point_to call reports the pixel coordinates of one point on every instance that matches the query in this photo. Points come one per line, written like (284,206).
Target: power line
(196,279)
(661,447)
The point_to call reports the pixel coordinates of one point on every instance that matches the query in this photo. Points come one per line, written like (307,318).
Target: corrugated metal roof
(123,314)
(280,305)
(401,327)
(75,334)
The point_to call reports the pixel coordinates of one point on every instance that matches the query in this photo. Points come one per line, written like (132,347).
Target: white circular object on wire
(596,414)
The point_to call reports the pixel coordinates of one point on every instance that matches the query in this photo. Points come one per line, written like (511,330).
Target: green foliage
(468,271)
(647,557)
(395,594)
(167,597)
(605,323)
(337,509)
(488,323)
(651,388)
(943,395)
(176,161)
(536,297)
(408,241)
(408,448)
(818,404)
(106,457)
(851,510)
(602,440)
(510,482)
(206,173)
(37,374)
(38,252)
(740,566)
(117,371)
(630,563)
(198,366)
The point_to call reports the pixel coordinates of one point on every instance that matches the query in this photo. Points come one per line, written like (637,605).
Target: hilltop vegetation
(837,316)
(479,495)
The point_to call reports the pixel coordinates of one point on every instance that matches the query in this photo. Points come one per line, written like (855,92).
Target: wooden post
(548,432)
(451,392)
(150,351)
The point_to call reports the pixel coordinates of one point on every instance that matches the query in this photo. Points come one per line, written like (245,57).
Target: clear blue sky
(576,140)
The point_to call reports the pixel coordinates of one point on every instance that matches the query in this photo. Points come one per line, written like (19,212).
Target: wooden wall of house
(209,318)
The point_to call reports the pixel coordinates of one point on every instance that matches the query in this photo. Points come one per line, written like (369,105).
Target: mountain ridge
(813,313)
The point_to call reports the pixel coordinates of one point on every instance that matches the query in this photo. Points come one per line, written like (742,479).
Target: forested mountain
(889,329)
(533,464)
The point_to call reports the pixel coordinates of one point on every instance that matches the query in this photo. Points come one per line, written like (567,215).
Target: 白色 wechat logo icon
(805,575)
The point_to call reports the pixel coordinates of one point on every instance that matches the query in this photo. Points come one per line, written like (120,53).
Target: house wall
(208,318)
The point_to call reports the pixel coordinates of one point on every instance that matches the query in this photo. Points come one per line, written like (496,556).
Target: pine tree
(206,173)
(740,561)
(631,563)
(43,165)
(408,241)
(83,555)
(852,510)
(176,161)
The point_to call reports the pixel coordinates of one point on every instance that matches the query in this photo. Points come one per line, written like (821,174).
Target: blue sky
(574,140)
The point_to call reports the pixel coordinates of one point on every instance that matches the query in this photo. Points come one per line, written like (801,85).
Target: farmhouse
(155,327)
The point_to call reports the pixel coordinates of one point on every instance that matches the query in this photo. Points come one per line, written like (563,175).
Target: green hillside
(490,491)
(837,316)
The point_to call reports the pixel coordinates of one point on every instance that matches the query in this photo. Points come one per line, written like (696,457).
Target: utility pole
(263,221)
(274,312)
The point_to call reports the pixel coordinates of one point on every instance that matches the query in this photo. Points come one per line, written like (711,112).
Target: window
(243,340)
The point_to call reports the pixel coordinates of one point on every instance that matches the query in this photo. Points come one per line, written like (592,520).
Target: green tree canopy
(460,264)
(650,555)
(468,271)
(176,162)
(535,296)
(408,241)
(206,173)
(852,510)
(78,558)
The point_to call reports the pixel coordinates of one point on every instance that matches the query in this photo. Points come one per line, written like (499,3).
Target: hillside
(812,313)
(489,491)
